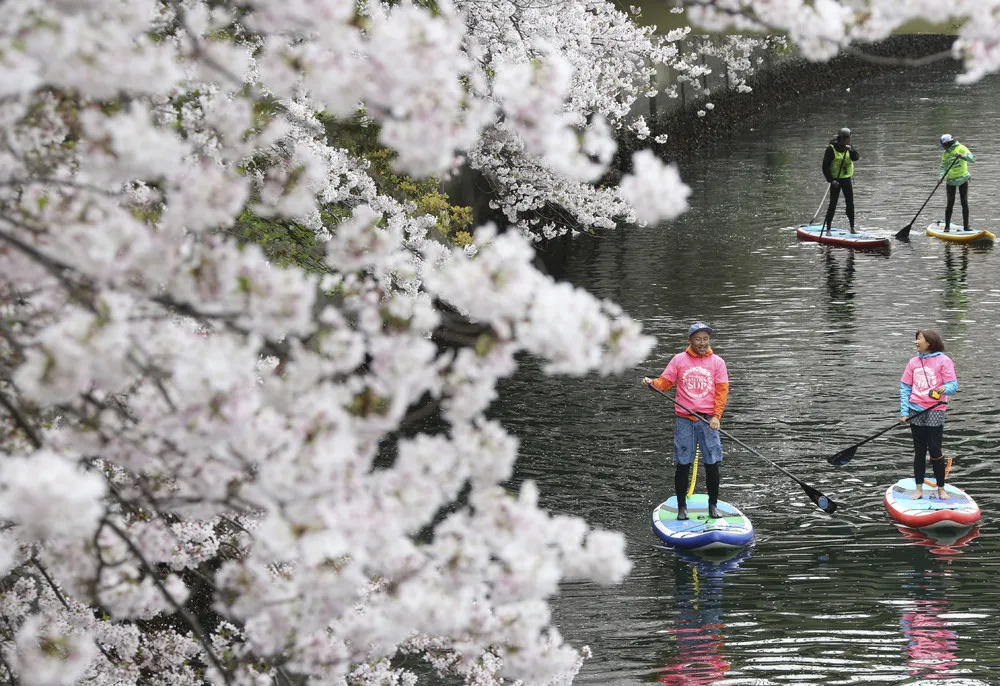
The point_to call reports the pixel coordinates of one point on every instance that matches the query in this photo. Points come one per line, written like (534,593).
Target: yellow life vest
(961,167)
(842,166)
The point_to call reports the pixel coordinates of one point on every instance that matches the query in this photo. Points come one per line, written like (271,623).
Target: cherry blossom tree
(221,465)
(823,28)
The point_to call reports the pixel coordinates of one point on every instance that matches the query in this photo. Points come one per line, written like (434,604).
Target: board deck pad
(732,530)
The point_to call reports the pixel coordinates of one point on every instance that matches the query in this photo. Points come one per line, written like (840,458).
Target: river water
(815,339)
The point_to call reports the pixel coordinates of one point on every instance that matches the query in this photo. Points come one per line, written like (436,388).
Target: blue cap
(698,326)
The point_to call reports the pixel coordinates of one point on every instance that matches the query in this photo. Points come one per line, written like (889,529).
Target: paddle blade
(843,457)
(821,501)
(904,232)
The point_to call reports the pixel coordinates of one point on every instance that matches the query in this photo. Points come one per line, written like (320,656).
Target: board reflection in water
(698,624)
(945,544)
(931,631)
(930,642)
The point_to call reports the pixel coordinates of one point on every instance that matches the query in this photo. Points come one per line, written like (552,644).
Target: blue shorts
(688,435)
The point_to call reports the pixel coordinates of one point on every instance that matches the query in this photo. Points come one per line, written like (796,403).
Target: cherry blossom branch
(196,45)
(21,421)
(278,349)
(189,619)
(10,672)
(9,336)
(899,61)
(67,183)
(55,590)
(53,266)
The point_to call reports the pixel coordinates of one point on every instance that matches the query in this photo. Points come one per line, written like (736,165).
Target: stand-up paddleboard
(844,239)
(957,510)
(960,235)
(699,533)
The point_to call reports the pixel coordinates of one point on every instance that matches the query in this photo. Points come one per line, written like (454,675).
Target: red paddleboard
(930,512)
(844,239)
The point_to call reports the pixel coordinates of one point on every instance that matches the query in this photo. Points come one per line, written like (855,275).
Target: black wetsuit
(844,185)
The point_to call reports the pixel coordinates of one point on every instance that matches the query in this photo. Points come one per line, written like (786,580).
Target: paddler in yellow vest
(838,168)
(955,168)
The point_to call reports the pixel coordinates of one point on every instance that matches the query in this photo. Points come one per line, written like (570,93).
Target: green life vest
(961,167)
(842,166)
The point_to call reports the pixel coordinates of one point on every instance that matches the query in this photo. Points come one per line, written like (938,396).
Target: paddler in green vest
(955,168)
(838,168)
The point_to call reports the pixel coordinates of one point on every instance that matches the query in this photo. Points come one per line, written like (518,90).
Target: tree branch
(189,619)
(898,61)
(62,600)
(21,421)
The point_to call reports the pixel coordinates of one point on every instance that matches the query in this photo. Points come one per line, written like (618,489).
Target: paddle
(845,455)
(904,232)
(821,501)
(812,222)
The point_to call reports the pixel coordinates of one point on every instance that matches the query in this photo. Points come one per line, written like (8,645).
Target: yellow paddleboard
(959,235)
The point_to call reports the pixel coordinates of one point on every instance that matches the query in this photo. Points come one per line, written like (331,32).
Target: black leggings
(682,475)
(927,438)
(963,192)
(847,186)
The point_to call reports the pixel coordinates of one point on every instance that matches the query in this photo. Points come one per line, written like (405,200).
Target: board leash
(694,471)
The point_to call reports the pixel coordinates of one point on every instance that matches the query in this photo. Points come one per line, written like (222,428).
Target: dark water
(815,339)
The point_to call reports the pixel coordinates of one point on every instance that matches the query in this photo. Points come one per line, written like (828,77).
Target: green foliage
(780,48)
(359,136)
(368,403)
(284,242)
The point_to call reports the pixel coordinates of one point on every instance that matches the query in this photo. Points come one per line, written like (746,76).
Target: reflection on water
(946,543)
(931,644)
(926,616)
(697,624)
(840,284)
(956,273)
(815,339)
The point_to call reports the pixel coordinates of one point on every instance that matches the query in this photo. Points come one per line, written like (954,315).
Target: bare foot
(919,493)
(942,494)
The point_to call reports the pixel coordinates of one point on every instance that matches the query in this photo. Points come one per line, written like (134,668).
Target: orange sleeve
(663,384)
(721,396)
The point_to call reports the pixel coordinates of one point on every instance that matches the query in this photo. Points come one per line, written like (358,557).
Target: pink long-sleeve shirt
(702,382)
(923,374)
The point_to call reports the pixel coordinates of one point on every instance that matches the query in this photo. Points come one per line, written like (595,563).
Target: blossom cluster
(822,28)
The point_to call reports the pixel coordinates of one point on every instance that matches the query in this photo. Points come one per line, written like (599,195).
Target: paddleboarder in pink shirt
(703,386)
(928,380)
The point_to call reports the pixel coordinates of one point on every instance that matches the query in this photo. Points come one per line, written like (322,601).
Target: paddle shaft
(816,214)
(943,177)
(890,428)
(735,440)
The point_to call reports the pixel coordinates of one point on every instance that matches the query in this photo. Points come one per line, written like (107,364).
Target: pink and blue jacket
(923,374)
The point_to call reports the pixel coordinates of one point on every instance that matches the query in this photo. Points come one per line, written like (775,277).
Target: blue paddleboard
(731,531)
